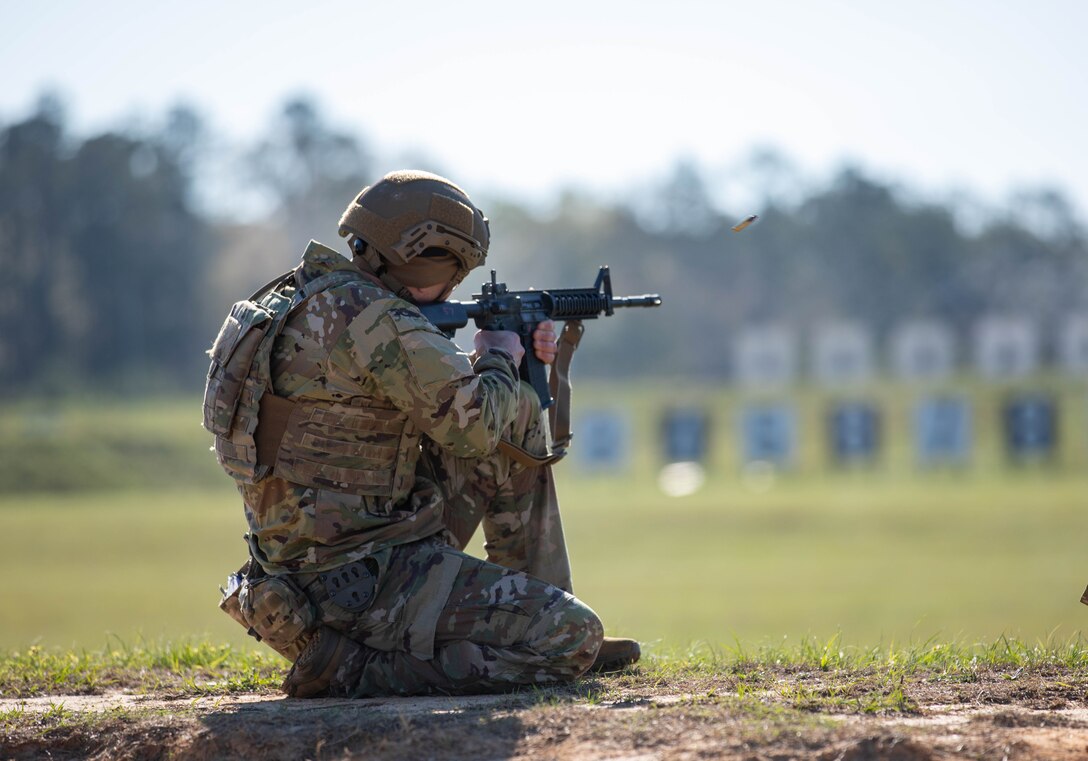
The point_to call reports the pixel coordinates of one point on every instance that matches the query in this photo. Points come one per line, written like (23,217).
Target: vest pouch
(229,602)
(232,355)
(277,611)
(363,451)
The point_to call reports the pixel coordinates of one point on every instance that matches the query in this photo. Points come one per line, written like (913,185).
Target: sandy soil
(997,717)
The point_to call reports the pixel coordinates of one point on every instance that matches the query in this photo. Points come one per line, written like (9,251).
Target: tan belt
(272,424)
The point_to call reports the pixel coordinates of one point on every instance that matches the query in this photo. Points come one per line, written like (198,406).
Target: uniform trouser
(507,621)
(517,505)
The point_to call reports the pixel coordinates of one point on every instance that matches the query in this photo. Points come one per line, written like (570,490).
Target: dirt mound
(1039,718)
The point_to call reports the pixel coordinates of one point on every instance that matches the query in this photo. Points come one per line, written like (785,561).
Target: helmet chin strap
(367,259)
(453,283)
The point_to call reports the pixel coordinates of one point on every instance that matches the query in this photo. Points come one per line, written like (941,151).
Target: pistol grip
(535,373)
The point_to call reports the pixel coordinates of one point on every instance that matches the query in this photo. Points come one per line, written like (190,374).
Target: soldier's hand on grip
(505,340)
(545,343)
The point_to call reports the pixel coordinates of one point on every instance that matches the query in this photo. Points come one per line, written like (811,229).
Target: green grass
(131,564)
(80,445)
(890,561)
(181,669)
(190,668)
(894,564)
(946,658)
(137,551)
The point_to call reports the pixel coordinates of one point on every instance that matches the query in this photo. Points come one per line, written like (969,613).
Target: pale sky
(519,98)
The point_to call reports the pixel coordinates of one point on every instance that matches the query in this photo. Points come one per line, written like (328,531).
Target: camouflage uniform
(439,619)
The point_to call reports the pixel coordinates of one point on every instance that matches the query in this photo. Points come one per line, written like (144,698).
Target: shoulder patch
(408,319)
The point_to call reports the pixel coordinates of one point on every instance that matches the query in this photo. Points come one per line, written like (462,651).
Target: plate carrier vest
(316,444)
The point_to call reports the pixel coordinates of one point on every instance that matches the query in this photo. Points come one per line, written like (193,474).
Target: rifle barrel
(645,300)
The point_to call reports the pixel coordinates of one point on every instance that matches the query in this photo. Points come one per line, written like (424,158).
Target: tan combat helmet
(413,215)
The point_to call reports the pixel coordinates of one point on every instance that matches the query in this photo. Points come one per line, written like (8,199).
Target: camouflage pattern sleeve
(463,409)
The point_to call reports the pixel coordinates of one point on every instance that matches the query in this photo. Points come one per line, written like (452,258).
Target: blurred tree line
(117,273)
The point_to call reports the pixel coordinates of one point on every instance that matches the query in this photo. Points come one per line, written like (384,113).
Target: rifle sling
(527,458)
(559,385)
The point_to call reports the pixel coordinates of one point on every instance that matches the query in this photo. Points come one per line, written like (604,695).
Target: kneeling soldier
(366,448)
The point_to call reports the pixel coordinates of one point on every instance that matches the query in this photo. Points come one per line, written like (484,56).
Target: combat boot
(616,654)
(316,665)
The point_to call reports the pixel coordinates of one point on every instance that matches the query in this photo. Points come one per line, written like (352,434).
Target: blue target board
(686,434)
(769,434)
(943,431)
(1030,427)
(602,441)
(854,432)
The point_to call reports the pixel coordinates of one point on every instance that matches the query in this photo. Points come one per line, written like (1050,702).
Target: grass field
(876,558)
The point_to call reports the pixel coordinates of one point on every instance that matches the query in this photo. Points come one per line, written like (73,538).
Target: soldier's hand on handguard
(505,340)
(545,343)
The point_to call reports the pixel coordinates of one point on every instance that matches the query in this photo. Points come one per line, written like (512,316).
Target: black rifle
(498,308)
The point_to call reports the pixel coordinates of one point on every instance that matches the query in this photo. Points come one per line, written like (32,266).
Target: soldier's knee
(569,635)
(592,638)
